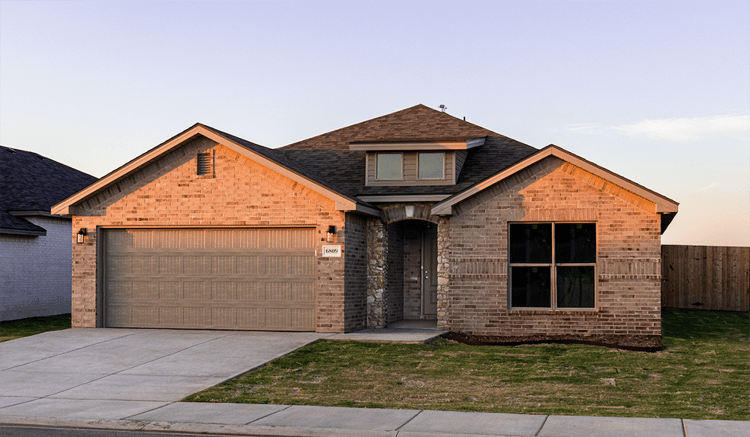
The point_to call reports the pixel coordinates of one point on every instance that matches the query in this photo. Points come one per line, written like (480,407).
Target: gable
(238,191)
(125,176)
(663,205)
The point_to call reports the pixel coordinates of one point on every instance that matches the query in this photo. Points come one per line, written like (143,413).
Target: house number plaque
(332,250)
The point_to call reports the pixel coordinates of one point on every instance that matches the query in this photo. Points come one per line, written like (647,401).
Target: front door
(429,271)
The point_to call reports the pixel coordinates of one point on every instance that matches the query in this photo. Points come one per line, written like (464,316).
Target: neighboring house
(35,246)
(412,215)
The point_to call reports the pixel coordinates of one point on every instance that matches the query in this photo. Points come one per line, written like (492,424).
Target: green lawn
(702,373)
(13,329)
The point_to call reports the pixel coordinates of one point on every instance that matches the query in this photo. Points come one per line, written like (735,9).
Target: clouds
(736,126)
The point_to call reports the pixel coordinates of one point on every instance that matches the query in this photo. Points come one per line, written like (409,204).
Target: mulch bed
(628,342)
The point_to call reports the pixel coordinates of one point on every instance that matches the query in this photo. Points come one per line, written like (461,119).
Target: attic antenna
(443,108)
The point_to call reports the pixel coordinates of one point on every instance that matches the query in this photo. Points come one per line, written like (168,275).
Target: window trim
(442,172)
(377,167)
(553,269)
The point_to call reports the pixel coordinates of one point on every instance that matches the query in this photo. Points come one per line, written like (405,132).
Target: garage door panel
(223,291)
(195,317)
(195,265)
(170,315)
(170,290)
(250,292)
(210,278)
(143,315)
(169,264)
(195,290)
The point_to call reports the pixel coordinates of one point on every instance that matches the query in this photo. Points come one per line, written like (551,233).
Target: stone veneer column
(377,268)
(443,272)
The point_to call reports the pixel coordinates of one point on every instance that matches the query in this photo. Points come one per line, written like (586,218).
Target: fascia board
(404,198)
(663,204)
(382,147)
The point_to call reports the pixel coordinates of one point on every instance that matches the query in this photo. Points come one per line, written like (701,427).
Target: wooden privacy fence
(705,277)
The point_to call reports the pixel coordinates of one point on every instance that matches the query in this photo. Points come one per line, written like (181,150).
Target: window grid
(553,272)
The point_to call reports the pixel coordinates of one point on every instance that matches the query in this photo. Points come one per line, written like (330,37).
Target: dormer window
(389,166)
(431,165)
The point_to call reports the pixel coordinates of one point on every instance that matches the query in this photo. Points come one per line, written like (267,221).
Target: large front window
(552,265)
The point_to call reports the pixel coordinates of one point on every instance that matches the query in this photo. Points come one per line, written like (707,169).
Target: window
(389,166)
(430,165)
(552,265)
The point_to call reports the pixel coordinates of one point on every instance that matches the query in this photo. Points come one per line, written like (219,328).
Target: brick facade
(239,193)
(475,298)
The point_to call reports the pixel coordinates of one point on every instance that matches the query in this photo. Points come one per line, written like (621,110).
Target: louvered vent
(204,164)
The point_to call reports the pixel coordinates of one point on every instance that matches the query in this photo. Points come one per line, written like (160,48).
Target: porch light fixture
(331,232)
(81,235)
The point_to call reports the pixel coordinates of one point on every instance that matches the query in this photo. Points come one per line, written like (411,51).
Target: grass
(14,329)
(702,373)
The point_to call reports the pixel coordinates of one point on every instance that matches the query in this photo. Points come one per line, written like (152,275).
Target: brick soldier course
(331,184)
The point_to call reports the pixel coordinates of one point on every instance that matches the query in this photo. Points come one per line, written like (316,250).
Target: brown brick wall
(355,272)
(169,193)
(628,255)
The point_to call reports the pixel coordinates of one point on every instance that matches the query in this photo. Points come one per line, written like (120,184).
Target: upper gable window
(389,166)
(431,165)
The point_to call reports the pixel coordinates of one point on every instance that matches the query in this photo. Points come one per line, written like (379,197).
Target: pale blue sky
(658,92)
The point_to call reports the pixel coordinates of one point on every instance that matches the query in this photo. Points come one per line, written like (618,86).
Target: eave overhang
(664,205)
(342,202)
(28,233)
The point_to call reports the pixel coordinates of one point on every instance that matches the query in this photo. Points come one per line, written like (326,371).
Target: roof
(327,164)
(345,170)
(29,185)
(418,123)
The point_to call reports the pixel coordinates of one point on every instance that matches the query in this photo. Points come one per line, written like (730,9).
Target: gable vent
(205,164)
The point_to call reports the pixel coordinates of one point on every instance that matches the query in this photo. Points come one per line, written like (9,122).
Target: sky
(655,91)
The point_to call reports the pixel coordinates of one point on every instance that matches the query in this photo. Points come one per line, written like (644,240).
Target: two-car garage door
(210,278)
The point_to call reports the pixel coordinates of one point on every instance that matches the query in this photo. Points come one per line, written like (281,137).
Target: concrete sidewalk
(284,420)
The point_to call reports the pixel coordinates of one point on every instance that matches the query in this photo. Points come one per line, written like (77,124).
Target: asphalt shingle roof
(327,157)
(30,182)
(418,123)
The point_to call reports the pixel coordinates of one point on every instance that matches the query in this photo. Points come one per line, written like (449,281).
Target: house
(411,215)
(35,246)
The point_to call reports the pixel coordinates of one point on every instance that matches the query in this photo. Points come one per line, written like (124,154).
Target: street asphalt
(132,379)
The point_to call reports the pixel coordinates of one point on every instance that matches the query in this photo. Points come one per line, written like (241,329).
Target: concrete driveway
(138,368)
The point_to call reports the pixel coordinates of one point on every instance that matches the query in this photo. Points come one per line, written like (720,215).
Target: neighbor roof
(29,185)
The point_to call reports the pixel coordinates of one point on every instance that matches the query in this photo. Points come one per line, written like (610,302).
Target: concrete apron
(115,373)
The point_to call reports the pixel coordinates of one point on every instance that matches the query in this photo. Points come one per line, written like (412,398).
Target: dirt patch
(643,343)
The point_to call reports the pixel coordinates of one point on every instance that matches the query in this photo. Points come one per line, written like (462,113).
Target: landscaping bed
(701,373)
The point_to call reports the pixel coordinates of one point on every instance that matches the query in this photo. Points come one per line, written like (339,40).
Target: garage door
(210,278)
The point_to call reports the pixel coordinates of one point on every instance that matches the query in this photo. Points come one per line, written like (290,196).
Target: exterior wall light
(81,235)
(331,232)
